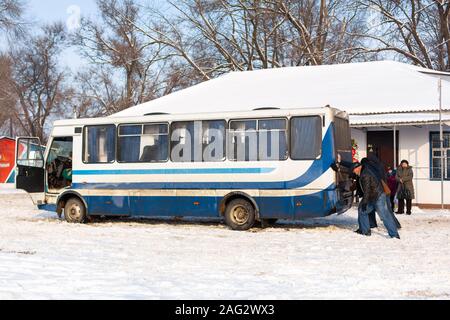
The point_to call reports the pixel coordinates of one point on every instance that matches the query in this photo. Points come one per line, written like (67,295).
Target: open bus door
(30,168)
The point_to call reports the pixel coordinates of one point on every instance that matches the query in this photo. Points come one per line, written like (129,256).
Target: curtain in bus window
(100,144)
(272,140)
(198,141)
(155,143)
(129,143)
(129,149)
(306,138)
(243,140)
(182,141)
(214,143)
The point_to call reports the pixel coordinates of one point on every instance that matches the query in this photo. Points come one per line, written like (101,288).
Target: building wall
(414,146)
(360,137)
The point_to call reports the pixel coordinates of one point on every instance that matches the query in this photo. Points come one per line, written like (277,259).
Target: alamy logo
(73,22)
(246,145)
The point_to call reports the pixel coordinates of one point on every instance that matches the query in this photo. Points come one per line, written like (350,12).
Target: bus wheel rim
(75,211)
(240,215)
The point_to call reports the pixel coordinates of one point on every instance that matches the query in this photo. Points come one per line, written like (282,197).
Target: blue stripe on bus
(318,204)
(174,171)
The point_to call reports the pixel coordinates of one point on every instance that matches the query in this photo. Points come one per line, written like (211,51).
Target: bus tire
(240,215)
(75,211)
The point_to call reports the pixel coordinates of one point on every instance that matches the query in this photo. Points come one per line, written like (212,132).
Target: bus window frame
(143,126)
(287,121)
(84,143)
(334,132)
(224,159)
(322,119)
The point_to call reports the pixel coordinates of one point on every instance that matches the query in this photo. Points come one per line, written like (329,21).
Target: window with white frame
(143,143)
(436,161)
(258,140)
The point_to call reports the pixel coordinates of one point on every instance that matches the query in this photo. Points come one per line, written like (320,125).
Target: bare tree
(7,97)
(118,51)
(11,17)
(38,83)
(415,31)
(217,36)
(322,32)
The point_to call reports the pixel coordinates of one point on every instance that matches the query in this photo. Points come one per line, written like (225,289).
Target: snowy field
(42,257)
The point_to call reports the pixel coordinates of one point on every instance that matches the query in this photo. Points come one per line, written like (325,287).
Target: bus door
(30,174)
(59,164)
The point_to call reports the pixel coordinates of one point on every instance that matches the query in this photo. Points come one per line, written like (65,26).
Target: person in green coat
(405,192)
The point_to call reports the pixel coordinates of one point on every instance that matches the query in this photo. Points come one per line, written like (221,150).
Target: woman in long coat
(405,192)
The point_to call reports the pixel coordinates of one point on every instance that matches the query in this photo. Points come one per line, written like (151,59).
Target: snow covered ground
(42,257)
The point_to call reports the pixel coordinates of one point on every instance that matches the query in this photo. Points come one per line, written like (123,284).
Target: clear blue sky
(40,12)
(47,11)
(53,10)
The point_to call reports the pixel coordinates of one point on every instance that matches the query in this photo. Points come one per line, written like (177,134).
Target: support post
(441,140)
(395,147)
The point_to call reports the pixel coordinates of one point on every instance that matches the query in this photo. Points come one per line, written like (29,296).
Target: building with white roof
(381,97)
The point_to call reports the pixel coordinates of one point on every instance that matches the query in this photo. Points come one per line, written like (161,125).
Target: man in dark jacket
(372,162)
(359,194)
(377,167)
(374,199)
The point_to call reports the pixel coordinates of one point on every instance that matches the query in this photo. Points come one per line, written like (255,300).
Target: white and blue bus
(260,165)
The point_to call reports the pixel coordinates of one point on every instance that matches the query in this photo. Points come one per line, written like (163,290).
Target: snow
(9,188)
(399,118)
(43,257)
(358,88)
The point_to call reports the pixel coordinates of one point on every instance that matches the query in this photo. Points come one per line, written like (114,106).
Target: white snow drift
(42,257)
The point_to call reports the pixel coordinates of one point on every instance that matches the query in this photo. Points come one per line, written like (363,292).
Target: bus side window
(258,140)
(243,140)
(306,138)
(145,143)
(99,144)
(198,141)
(272,140)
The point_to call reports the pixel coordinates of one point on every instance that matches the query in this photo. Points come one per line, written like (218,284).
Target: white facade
(414,146)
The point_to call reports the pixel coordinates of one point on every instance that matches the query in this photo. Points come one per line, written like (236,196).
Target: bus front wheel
(240,215)
(75,211)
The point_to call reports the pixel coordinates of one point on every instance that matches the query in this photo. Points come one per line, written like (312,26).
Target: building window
(436,165)
(99,144)
(198,141)
(306,138)
(258,140)
(143,143)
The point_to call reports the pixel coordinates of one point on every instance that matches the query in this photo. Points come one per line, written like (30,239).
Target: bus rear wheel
(75,211)
(240,215)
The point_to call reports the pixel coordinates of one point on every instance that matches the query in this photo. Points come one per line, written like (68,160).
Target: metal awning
(398,119)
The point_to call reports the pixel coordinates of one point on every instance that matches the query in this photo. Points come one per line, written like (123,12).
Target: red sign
(7,158)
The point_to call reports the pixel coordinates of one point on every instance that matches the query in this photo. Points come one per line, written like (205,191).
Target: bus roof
(201,116)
